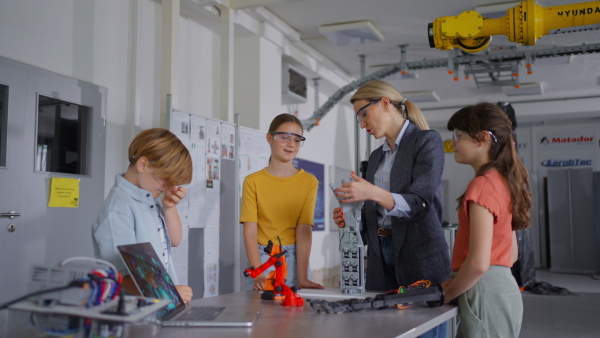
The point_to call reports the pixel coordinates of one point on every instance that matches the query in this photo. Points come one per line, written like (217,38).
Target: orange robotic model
(275,287)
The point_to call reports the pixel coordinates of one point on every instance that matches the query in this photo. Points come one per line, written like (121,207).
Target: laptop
(152,280)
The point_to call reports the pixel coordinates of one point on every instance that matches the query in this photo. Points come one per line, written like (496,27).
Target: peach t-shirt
(491,192)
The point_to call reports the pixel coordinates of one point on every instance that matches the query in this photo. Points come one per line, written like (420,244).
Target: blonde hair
(374,90)
(166,153)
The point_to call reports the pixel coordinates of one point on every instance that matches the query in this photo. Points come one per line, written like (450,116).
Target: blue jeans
(439,331)
(387,252)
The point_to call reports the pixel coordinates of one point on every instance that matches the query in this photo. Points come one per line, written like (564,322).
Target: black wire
(40,292)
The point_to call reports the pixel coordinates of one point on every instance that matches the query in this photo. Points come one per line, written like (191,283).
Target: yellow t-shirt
(279,204)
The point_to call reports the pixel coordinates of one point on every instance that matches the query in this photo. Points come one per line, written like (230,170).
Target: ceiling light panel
(421,96)
(351,33)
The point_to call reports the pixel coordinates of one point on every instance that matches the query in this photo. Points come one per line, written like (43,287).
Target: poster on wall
(317,170)
(213,173)
(254,153)
(211,261)
(196,190)
(180,126)
(227,141)
(211,279)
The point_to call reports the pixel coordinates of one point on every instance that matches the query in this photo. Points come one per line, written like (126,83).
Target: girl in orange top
(496,202)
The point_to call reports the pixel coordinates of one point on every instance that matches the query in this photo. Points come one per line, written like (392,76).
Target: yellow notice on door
(64,193)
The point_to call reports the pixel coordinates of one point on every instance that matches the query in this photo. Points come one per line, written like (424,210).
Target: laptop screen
(150,276)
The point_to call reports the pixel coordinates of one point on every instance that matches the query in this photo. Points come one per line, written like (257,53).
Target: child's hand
(259,282)
(185,292)
(338,217)
(173,196)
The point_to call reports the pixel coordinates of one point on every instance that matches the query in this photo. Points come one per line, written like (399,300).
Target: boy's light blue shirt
(129,216)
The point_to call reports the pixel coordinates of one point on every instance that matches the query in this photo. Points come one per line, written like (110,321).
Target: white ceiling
(405,22)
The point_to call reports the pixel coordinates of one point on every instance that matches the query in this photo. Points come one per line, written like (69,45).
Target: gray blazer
(420,245)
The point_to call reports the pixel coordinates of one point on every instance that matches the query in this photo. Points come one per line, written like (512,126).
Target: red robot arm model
(275,287)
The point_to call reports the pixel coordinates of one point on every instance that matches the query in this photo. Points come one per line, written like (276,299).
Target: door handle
(11,214)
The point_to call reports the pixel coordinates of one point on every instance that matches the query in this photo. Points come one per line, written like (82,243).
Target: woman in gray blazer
(402,193)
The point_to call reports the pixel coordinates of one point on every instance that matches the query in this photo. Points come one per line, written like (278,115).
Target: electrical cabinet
(571,220)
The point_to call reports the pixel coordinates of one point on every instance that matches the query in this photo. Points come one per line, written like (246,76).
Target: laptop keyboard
(201,313)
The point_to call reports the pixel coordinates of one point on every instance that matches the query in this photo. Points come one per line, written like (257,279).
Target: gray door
(39,107)
(571,220)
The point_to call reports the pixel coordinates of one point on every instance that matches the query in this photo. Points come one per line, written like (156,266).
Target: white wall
(87,40)
(117,45)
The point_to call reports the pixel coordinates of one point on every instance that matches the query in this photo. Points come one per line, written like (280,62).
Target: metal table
(279,321)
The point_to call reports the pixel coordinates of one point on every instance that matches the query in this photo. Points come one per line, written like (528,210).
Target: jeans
(387,252)
(439,331)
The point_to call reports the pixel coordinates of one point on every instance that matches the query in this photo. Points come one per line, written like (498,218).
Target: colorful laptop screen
(150,275)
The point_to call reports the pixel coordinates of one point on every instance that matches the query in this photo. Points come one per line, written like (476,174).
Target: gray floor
(576,315)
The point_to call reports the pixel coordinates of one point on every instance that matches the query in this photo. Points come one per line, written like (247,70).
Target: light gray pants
(493,307)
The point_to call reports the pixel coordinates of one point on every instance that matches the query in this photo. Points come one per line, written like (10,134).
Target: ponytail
(374,90)
(414,114)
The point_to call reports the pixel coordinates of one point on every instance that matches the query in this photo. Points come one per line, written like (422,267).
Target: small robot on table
(275,287)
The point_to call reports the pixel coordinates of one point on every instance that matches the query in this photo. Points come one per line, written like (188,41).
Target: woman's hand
(338,217)
(173,196)
(356,191)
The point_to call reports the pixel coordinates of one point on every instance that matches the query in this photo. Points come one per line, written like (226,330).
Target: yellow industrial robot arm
(524,23)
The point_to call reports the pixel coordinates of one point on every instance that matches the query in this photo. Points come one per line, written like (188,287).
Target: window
(62,136)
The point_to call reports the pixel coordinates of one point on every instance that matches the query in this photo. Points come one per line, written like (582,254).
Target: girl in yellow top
(279,201)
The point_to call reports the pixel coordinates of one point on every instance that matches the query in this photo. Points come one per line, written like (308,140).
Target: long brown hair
(374,90)
(484,117)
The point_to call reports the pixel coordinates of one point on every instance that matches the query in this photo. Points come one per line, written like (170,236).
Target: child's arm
(251,244)
(172,197)
(480,251)
(303,245)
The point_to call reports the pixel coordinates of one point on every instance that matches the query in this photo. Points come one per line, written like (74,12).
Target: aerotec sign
(572,162)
